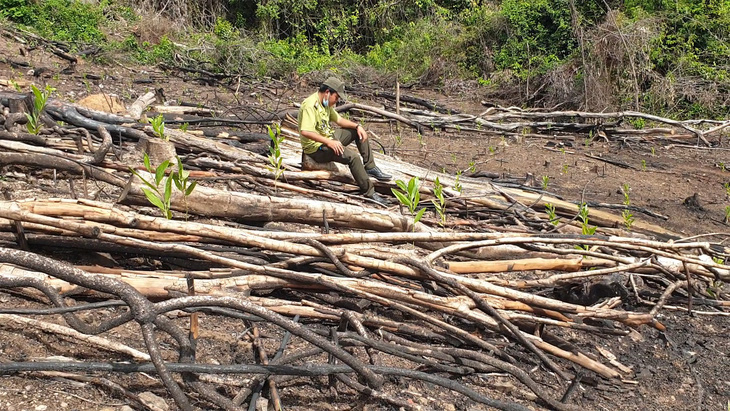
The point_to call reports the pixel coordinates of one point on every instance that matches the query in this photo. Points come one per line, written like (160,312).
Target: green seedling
(727,214)
(158,126)
(626,213)
(16,86)
(727,189)
(565,168)
(159,194)
(34,124)
(722,166)
(553,218)
(275,158)
(472,166)
(457,182)
(643,165)
(589,139)
(626,189)
(410,197)
(184,127)
(492,150)
(160,197)
(181,179)
(715,287)
(419,136)
(586,229)
(653,152)
(398,140)
(439,203)
(545,182)
(628,219)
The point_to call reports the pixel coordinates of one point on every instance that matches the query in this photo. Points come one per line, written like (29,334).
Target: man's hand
(336,146)
(361,133)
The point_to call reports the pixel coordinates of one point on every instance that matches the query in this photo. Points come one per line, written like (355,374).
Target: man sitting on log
(323,144)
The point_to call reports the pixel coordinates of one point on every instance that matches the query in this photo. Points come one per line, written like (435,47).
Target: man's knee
(353,159)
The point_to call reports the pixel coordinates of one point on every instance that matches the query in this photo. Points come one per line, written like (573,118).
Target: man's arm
(345,123)
(332,143)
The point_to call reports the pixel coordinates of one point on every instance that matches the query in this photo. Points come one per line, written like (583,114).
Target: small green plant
(158,196)
(419,136)
(626,189)
(638,123)
(158,125)
(588,140)
(439,203)
(643,165)
(39,103)
(727,214)
(545,182)
(161,195)
(653,152)
(715,287)
(626,213)
(181,179)
(552,216)
(457,182)
(628,218)
(586,229)
(565,168)
(398,140)
(492,150)
(410,197)
(16,86)
(727,189)
(184,127)
(472,167)
(275,158)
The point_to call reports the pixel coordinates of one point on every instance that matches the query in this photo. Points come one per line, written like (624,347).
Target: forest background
(666,57)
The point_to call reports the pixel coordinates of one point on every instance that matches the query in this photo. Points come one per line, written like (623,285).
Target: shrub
(64,20)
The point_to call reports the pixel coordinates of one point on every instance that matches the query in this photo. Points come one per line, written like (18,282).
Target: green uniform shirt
(314,117)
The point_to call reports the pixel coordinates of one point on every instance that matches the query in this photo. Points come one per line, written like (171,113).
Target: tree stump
(157,150)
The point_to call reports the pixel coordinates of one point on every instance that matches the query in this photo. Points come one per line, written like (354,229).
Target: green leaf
(147,183)
(418,215)
(160,172)
(412,184)
(168,190)
(401,197)
(147,164)
(152,198)
(175,177)
(401,185)
(191,187)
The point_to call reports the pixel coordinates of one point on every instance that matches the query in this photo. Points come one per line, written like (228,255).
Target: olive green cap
(337,85)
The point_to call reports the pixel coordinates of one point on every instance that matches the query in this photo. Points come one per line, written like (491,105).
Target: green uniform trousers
(350,157)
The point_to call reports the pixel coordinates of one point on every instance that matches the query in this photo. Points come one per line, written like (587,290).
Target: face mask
(326,102)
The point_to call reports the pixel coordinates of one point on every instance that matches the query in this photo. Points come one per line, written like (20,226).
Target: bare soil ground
(684,368)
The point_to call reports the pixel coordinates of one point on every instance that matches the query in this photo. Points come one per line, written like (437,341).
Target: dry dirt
(685,368)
